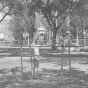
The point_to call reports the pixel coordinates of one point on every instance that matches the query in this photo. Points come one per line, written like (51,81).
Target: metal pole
(62,64)
(21,64)
(69,58)
(31,61)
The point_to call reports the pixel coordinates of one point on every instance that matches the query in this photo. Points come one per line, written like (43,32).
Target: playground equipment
(66,41)
(35,58)
(21,63)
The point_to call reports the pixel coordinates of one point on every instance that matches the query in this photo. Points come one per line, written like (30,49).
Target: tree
(53,10)
(18,8)
(29,25)
(19,24)
(17,28)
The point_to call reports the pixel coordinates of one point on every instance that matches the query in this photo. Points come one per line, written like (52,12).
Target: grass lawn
(49,73)
(49,70)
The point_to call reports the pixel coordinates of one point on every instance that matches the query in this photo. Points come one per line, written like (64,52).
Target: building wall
(4,27)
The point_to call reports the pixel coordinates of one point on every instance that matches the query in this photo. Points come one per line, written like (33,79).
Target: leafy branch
(5,15)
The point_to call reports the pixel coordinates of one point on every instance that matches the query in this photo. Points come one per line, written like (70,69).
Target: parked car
(82,49)
(78,49)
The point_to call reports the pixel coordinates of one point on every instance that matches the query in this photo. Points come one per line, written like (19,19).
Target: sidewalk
(74,53)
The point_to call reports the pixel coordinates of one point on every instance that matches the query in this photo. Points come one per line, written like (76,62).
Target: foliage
(47,7)
(16,27)
(52,10)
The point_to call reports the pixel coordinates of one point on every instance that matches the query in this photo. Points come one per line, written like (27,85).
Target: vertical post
(31,60)
(28,39)
(21,63)
(56,26)
(84,35)
(6,43)
(62,64)
(77,37)
(69,58)
(56,19)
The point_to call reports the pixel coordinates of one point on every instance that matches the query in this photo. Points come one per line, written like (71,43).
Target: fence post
(69,61)
(62,64)
(31,60)
(21,64)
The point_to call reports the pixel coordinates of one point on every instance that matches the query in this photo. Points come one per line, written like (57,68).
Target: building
(41,30)
(5,33)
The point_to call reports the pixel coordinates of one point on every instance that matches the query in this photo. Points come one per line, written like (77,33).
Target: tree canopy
(52,10)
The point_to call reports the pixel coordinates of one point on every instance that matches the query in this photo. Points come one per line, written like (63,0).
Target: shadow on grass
(79,78)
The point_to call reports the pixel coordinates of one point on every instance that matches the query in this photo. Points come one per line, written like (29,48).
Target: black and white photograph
(43,43)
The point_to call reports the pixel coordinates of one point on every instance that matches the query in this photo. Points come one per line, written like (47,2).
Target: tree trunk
(54,41)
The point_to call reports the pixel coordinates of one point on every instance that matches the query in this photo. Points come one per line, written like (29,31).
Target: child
(35,62)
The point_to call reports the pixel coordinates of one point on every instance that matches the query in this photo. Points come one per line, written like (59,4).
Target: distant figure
(35,62)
